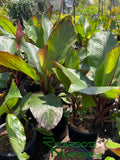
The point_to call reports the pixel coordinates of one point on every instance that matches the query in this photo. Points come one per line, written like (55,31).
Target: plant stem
(74,2)
(60,9)
(101,116)
(73,106)
(21,112)
(8,108)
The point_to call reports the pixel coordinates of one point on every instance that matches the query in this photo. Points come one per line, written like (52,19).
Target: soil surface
(82,125)
(5,146)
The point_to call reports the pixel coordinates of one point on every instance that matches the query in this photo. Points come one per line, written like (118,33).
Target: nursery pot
(68,150)
(87,139)
(59,133)
(29,149)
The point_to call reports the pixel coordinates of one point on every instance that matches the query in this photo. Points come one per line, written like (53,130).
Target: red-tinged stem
(60,9)
(9,108)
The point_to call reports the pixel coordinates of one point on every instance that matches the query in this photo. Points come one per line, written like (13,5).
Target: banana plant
(45,106)
(101,84)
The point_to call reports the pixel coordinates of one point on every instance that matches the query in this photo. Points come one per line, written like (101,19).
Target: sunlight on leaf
(113,146)
(43,57)
(17,136)
(111,59)
(7,25)
(47,109)
(16,63)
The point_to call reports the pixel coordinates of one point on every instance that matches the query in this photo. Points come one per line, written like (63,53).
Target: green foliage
(54,42)
(109,158)
(7,25)
(24,9)
(16,63)
(4,77)
(90,10)
(85,29)
(46,109)
(4,11)
(113,146)
(11,99)
(17,136)
(104,76)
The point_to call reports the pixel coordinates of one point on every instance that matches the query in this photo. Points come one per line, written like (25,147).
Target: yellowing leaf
(7,25)
(111,59)
(113,146)
(43,57)
(16,63)
(35,20)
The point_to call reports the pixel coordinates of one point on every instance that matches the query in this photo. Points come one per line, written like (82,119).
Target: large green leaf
(111,59)
(108,91)
(5,33)
(17,136)
(23,105)
(7,45)
(16,63)
(31,51)
(47,27)
(4,77)
(72,59)
(35,34)
(75,77)
(43,58)
(101,43)
(82,52)
(46,109)
(33,59)
(7,25)
(107,70)
(62,78)
(11,98)
(61,38)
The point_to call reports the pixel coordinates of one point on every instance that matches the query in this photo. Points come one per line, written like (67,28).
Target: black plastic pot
(81,151)
(60,131)
(29,149)
(87,139)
